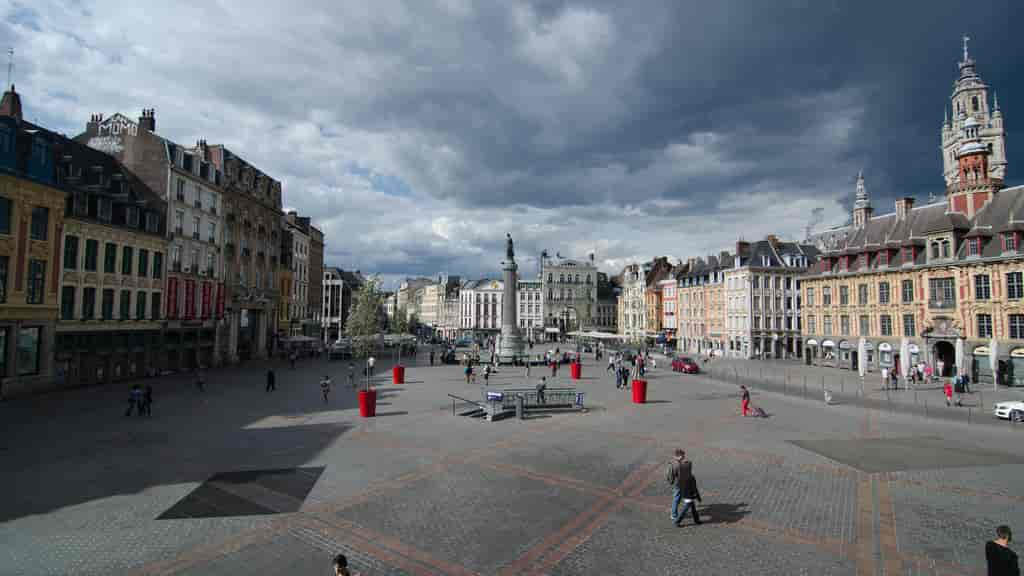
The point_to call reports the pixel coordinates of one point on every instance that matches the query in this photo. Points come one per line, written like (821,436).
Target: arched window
(561,277)
(974,103)
(550,276)
(935,249)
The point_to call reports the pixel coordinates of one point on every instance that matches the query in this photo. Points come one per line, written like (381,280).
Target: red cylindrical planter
(639,391)
(367,403)
(577,370)
(398,374)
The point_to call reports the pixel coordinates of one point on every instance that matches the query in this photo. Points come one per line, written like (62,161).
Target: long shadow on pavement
(71,448)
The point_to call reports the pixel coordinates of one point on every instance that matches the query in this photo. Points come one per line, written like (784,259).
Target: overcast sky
(417,134)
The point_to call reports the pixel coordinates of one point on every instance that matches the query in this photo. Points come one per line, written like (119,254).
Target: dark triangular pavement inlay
(247,493)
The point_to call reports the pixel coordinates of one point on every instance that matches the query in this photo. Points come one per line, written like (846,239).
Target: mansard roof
(997,216)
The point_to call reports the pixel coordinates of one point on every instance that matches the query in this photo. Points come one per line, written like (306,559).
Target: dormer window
(1010,242)
(974,247)
(883,258)
(863,260)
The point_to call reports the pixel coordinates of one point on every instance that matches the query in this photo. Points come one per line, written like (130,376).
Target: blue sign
(496,396)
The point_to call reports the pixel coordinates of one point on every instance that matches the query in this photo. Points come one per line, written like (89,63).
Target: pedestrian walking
(541,387)
(947,391)
(271,380)
(528,362)
(291,358)
(325,387)
(487,374)
(147,400)
(431,356)
(1000,559)
(134,397)
(885,378)
(618,379)
(554,367)
(745,400)
(351,375)
(370,363)
(895,379)
(201,380)
(684,489)
(469,373)
(967,383)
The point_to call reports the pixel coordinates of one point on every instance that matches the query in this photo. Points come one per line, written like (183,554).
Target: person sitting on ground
(341,566)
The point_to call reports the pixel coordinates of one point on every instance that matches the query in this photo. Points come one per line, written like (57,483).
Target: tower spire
(966,40)
(862,200)
(10,64)
(995,101)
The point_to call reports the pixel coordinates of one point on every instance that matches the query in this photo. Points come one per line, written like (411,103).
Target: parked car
(1012,410)
(340,350)
(685,364)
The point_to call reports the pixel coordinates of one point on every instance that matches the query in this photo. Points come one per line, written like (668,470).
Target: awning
(913,349)
(885,347)
(828,343)
(552,330)
(844,345)
(981,351)
(812,342)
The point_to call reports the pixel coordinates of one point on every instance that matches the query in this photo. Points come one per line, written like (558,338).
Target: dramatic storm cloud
(416,134)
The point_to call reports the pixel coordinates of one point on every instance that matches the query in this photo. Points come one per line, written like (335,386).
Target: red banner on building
(207,298)
(172,297)
(220,300)
(190,299)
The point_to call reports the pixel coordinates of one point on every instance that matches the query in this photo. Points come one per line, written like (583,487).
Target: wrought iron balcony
(942,304)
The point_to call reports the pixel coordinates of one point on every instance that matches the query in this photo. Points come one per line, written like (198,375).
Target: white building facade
(531,309)
(480,302)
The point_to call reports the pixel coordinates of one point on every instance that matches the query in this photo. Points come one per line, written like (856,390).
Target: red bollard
(639,391)
(367,403)
(398,374)
(576,370)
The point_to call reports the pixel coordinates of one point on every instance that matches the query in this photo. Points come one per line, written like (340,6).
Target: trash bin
(398,374)
(576,370)
(639,391)
(367,403)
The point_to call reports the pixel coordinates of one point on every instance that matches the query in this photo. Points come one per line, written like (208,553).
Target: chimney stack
(772,239)
(148,119)
(92,127)
(742,247)
(903,207)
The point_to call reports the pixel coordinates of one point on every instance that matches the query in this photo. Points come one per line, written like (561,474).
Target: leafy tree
(400,321)
(364,321)
(413,324)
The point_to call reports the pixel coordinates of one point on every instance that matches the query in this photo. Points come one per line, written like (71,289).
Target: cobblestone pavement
(417,490)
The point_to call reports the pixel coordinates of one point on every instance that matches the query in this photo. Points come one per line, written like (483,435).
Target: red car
(685,365)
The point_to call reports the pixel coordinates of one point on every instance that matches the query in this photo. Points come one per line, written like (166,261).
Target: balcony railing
(942,304)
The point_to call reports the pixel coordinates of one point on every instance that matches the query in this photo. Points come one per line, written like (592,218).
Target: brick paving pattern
(419,491)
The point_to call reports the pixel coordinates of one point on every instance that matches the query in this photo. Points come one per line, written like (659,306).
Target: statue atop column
(510,253)
(510,347)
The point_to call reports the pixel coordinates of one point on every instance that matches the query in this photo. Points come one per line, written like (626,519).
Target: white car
(1012,410)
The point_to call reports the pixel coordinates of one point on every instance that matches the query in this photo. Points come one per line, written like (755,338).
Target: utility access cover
(247,493)
(895,454)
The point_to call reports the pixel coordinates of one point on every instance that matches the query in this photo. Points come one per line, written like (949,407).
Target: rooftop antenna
(10,64)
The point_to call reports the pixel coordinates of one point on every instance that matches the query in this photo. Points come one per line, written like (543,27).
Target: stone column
(511,344)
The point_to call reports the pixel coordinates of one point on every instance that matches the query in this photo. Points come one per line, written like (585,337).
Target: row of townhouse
(130,254)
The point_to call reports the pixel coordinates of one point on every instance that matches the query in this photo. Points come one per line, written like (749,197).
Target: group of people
(625,365)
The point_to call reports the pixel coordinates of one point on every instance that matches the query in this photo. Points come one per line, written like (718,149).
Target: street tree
(400,322)
(364,321)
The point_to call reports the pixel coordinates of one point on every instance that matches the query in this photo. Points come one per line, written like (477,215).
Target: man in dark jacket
(271,380)
(680,471)
(1000,559)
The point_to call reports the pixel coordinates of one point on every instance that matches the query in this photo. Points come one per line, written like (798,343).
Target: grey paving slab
(892,454)
(475,517)
(640,542)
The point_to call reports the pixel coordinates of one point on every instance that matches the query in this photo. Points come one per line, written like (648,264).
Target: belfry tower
(970,101)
